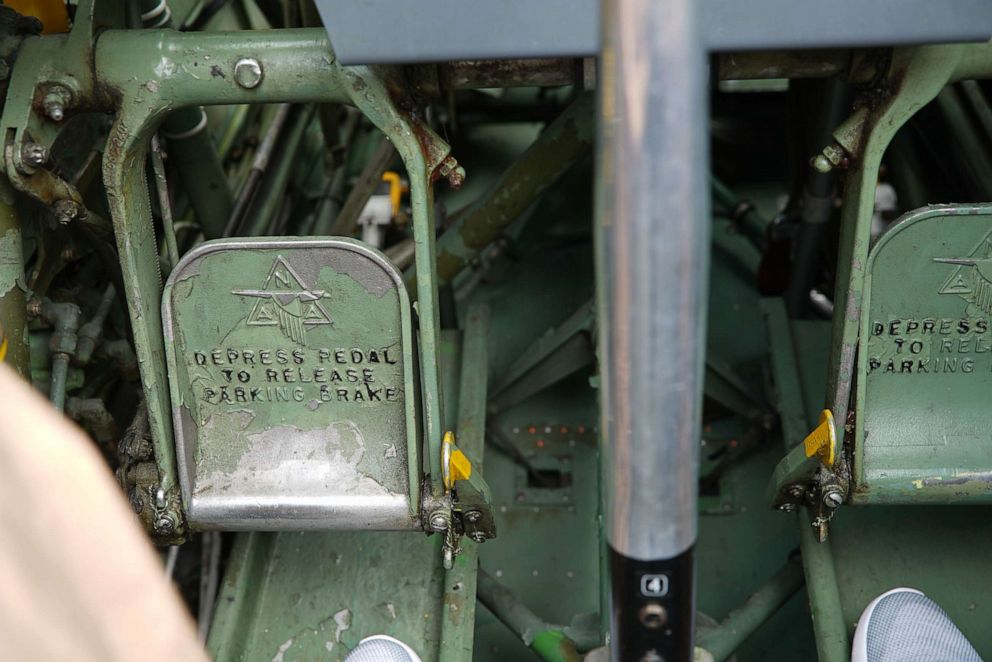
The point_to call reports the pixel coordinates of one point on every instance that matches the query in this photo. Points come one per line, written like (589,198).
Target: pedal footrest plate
(924,425)
(291,369)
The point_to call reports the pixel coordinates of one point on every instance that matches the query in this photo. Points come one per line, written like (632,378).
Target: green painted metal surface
(315,595)
(291,364)
(924,368)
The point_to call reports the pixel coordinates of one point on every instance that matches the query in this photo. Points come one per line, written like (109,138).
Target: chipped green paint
(11,261)
(13,314)
(292,375)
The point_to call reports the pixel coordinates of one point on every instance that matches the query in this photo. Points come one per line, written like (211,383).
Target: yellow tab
(395,189)
(454,464)
(461,468)
(822,442)
(3,349)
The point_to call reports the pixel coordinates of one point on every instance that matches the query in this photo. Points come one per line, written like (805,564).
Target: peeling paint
(281,651)
(11,261)
(343,620)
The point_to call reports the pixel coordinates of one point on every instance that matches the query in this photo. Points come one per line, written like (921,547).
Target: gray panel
(730,25)
(383,31)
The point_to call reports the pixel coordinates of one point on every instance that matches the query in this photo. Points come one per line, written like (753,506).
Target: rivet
(248,73)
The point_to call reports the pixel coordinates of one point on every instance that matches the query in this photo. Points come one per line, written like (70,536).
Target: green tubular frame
(299,67)
(166,70)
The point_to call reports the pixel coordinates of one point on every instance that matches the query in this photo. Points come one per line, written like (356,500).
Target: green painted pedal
(923,425)
(291,367)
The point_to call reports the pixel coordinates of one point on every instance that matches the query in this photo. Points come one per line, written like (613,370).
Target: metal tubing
(563,142)
(832,644)
(197,69)
(817,207)
(549,643)
(263,213)
(258,167)
(164,203)
(653,253)
(752,224)
(195,158)
(741,623)
(191,149)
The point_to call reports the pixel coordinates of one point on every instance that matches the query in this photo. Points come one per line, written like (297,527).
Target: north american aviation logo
(285,301)
(972,280)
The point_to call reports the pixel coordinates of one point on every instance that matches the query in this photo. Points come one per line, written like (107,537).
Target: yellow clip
(822,442)
(395,189)
(454,464)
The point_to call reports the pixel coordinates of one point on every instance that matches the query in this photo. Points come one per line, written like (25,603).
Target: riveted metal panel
(924,426)
(292,381)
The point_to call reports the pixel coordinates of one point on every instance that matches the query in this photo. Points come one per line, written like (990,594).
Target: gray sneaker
(903,625)
(381,648)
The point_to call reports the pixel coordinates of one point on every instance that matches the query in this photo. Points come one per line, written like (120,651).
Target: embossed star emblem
(285,301)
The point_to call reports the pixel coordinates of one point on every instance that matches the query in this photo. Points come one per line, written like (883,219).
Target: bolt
(54,111)
(833,497)
(821,164)
(34,154)
(478,536)
(796,491)
(439,521)
(57,97)
(473,516)
(248,73)
(832,156)
(66,210)
(787,507)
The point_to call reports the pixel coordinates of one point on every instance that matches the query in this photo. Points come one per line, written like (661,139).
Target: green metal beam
(561,144)
(741,623)
(458,626)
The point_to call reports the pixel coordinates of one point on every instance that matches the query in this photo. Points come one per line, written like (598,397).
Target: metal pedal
(925,361)
(291,368)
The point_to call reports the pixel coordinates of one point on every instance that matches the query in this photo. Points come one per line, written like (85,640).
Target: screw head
(473,516)
(796,491)
(833,498)
(248,73)
(478,536)
(787,507)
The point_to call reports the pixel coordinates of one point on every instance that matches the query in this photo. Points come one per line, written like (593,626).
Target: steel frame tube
(742,622)
(563,142)
(653,253)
